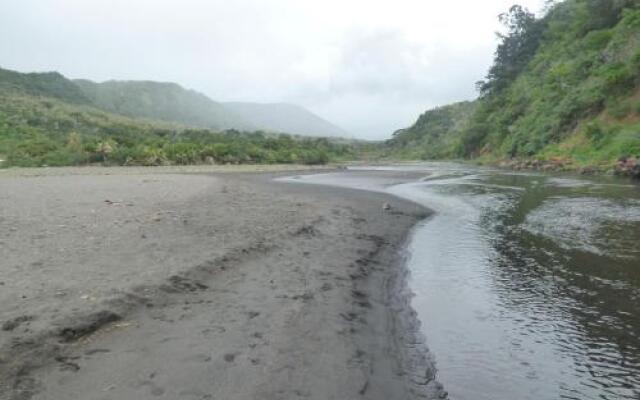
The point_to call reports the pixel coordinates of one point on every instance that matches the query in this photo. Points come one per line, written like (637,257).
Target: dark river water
(527,285)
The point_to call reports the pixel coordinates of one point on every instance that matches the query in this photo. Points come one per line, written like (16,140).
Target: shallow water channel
(527,285)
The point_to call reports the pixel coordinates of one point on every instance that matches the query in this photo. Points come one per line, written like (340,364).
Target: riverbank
(626,167)
(527,282)
(136,283)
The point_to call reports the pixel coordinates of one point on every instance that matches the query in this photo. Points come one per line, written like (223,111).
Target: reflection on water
(592,224)
(528,286)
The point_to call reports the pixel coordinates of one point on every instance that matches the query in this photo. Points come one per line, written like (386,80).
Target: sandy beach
(138,283)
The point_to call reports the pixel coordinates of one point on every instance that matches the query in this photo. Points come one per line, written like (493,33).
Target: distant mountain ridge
(49,120)
(169,102)
(48,84)
(284,117)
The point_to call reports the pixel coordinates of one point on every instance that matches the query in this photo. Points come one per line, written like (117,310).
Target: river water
(527,285)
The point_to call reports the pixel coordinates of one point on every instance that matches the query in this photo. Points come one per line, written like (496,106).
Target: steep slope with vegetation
(49,84)
(564,89)
(172,103)
(436,134)
(161,101)
(46,120)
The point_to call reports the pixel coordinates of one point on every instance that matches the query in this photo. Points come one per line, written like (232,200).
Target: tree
(604,14)
(517,47)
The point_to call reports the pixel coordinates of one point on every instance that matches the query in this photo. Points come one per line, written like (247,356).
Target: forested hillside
(436,134)
(161,101)
(45,119)
(564,88)
(171,102)
(48,84)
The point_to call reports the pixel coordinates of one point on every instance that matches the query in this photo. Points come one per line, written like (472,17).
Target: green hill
(564,89)
(161,101)
(47,84)
(46,119)
(436,134)
(172,103)
(169,102)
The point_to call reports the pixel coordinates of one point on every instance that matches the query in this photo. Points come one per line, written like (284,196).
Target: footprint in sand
(230,357)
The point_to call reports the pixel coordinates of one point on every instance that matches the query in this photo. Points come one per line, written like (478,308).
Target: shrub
(597,40)
(618,78)
(593,131)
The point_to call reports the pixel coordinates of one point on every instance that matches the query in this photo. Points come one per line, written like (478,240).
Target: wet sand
(193,284)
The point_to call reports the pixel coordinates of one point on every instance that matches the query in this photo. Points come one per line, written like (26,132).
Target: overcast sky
(370,66)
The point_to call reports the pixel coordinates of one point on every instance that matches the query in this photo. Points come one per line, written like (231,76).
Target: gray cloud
(381,81)
(369,66)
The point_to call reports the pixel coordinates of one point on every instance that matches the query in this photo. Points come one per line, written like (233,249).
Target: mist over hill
(47,84)
(170,102)
(47,119)
(161,101)
(283,117)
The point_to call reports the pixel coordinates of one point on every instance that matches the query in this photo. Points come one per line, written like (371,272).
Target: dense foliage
(436,134)
(516,49)
(564,86)
(42,123)
(50,84)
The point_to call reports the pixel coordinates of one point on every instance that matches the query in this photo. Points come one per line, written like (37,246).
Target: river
(527,285)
